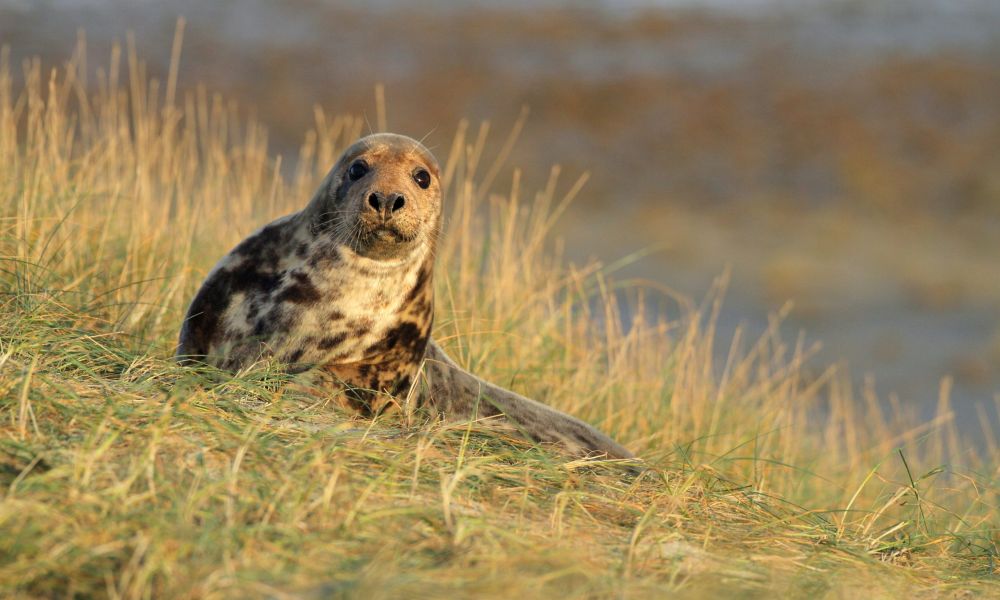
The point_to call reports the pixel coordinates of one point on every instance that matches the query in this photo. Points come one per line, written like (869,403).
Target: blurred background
(840,155)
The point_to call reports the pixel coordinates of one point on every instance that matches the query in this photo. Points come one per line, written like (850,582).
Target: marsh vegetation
(124,475)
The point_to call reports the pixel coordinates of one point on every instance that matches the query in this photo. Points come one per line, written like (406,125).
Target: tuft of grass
(124,475)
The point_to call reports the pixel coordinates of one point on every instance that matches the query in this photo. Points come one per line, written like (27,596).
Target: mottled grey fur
(344,289)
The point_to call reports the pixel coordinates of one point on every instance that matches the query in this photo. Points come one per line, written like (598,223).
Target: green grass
(124,475)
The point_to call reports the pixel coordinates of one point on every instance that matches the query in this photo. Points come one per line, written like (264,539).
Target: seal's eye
(357,170)
(423,179)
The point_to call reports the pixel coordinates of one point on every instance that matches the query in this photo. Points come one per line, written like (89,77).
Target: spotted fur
(344,289)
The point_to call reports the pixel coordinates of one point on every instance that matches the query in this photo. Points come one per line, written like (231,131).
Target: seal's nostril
(398,204)
(373,201)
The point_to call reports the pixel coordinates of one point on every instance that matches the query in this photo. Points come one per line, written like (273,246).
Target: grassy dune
(124,475)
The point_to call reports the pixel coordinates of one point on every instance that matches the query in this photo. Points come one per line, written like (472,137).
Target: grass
(124,475)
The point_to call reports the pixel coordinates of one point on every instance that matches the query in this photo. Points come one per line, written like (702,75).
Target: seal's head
(382,199)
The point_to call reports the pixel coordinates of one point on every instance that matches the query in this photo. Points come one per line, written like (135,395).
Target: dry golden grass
(124,475)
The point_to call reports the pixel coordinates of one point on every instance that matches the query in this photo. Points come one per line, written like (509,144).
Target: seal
(343,289)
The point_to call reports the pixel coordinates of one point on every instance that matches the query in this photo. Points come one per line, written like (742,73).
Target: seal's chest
(374,300)
(357,314)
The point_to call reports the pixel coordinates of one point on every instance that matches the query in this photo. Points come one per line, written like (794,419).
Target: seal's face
(383,197)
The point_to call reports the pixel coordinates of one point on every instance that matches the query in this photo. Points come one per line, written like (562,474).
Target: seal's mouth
(383,240)
(385,232)
(388,234)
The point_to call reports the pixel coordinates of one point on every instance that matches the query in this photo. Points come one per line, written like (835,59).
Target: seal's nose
(386,205)
(398,202)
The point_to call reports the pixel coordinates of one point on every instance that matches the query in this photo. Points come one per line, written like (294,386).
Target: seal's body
(345,287)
